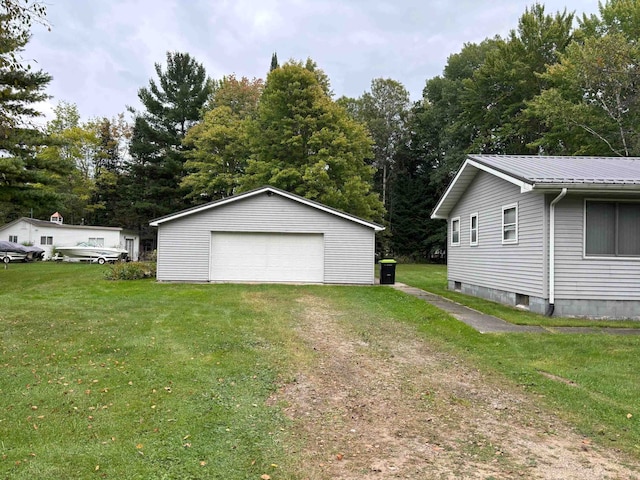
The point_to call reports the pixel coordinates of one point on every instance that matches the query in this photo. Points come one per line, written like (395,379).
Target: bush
(130,271)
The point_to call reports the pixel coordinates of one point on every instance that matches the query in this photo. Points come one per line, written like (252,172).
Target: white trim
(524,186)
(514,240)
(632,258)
(455,244)
(471,229)
(282,193)
(469,163)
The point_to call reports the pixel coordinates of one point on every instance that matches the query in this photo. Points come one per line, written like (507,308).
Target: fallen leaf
(629,415)
(97,467)
(139,446)
(339,456)
(203,463)
(265,477)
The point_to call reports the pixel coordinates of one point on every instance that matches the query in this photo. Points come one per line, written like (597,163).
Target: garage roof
(269,191)
(531,172)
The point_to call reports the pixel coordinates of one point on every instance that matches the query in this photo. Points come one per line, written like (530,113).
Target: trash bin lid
(388,260)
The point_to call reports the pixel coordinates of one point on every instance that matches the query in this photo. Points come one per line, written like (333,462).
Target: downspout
(552,252)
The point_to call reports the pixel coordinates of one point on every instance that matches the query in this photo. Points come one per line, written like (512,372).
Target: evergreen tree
(27,181)
(173,105)
(274,62)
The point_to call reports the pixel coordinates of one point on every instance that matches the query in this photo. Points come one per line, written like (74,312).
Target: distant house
(555,235)
(54,232)
(265,235)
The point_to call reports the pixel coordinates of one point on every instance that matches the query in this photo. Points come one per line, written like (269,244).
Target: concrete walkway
(484,323)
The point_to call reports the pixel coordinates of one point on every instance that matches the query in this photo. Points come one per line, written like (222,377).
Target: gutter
(552,251)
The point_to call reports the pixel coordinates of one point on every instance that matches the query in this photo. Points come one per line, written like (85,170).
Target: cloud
(101,53)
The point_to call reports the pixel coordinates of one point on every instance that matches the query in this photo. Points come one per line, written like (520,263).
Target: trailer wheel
(6,260)
(101,261)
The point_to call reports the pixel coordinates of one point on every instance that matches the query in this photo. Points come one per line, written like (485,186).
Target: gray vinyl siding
(585,278)
(184,243)
(518,268)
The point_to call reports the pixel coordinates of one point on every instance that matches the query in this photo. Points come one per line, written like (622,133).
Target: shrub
(130,271)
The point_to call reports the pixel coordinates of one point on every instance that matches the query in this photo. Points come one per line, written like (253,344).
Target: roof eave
(588,187)
(450,197)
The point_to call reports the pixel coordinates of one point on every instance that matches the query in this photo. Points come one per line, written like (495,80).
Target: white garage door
(267,257)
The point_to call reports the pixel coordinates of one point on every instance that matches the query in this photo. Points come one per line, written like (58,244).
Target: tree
(156,167)
(75,145)
(17,18)
(27,181)
(274,62)
(496,95)
(385,111)
(218,148)
(592,104)
(305,143)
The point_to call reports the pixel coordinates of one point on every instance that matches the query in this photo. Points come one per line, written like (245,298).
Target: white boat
(93,253)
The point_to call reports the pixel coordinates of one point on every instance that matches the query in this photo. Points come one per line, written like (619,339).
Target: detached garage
(265,235)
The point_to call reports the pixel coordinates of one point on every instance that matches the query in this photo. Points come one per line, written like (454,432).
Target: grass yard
(433,278)
(135,379)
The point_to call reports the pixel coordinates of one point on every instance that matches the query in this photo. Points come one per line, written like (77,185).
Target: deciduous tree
(305,143)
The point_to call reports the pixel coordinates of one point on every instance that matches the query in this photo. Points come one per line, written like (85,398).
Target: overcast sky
(100,52)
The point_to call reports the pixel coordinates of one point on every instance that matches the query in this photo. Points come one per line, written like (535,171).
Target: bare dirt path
(388,405)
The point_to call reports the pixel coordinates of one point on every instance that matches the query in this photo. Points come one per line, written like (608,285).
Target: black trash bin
(387,271)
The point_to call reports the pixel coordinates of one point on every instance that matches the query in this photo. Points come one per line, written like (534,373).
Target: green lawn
(433,278)
(136,379)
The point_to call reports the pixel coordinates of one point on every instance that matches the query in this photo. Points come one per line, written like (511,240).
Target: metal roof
(567,170)
(269,191)
(531,172)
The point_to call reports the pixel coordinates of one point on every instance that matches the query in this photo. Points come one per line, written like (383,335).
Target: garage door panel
(267,257)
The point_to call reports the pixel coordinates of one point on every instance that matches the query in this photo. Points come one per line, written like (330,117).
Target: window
(455,231)
(46,240)
(13,238)
(96,241)
(510,224)
(473,229)
(612,229)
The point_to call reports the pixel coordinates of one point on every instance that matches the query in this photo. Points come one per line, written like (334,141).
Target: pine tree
(274,62)
(26,180)
(172,105)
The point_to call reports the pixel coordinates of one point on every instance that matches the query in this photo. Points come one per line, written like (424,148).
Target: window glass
(601,228)
(473,230)
(629,229)
(455,231)
(612,228)
(510,224)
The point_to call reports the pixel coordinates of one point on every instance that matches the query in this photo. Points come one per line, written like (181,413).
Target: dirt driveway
(385,404)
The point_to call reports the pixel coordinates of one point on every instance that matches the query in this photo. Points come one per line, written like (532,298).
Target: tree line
(557,84)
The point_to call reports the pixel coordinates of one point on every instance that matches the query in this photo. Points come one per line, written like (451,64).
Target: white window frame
(472,230)
(513,240)
(13,238)
(453,220)
(46,240)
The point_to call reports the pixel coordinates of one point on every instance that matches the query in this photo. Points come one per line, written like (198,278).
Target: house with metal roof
(265,235)
(555,235)
(52,233)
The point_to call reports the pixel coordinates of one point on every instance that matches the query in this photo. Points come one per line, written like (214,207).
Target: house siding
(66,235)
(491,265)
(585,278)
(184,243)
